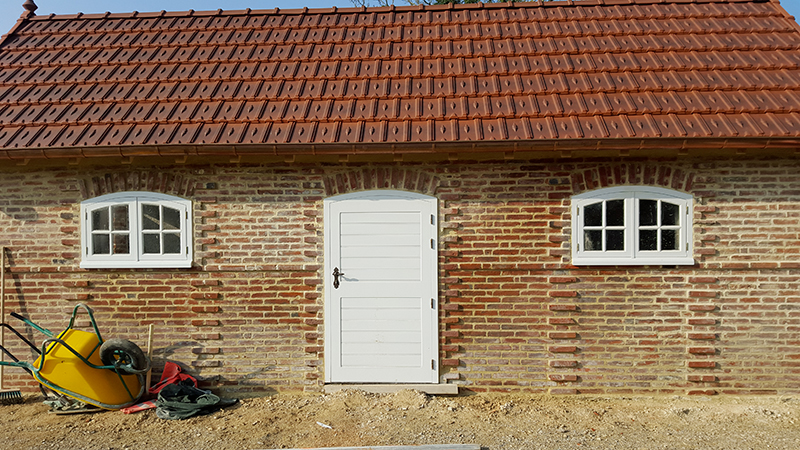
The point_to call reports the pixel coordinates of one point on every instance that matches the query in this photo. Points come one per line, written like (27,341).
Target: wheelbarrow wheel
(123,353)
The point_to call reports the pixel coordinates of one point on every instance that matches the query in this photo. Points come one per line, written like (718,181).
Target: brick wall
(522,318)
(515,315)
(245,318)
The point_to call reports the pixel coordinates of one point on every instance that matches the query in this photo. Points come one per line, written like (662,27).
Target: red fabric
(172,375)
(150,404)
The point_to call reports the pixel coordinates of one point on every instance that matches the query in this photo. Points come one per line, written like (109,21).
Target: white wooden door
(381,312)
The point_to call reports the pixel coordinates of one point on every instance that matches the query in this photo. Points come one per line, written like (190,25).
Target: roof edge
(623,145)
(786,14)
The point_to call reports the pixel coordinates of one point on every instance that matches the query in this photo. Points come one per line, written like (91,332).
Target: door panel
(381,321)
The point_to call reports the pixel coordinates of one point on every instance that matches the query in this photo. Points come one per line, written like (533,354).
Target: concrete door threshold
(434,389)
(405,447)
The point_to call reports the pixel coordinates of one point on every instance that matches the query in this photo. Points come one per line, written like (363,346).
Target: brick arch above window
(370,178)
(136,180)
(644,174)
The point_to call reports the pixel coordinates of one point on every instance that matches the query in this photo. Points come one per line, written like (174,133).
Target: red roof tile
(524,72)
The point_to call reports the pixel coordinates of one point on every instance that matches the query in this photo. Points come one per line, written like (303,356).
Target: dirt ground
(355,418)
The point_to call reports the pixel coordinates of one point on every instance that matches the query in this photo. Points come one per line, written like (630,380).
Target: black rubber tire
(114,350)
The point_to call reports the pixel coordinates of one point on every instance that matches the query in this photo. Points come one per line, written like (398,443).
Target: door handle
(336,275)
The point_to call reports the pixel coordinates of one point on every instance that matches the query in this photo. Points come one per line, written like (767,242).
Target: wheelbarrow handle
(44,331)
(23,338)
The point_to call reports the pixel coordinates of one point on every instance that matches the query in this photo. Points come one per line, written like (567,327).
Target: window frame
(632,255)
(136,258)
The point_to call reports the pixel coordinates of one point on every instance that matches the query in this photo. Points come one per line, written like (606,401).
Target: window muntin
(631,225)
(136,230)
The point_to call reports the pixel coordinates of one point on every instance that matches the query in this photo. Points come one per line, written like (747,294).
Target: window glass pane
(593,240)
(648,212)
(121,244)
(615,213)
(172,243)
(172,219)
(593,215)
(648,239)
(150,217)
(615,240)
(669,213)
(669,239)
(101,245)
(151,243)
(100,219)
(119,215)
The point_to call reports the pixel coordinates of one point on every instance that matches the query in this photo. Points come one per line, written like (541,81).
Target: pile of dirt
(355,418)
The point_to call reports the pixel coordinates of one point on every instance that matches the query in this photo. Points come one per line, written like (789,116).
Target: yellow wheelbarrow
(81,365)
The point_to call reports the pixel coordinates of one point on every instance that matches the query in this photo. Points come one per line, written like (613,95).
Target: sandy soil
(354,418)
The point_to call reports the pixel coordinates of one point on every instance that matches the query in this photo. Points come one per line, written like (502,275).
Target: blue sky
(11,9)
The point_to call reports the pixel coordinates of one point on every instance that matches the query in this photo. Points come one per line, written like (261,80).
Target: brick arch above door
(370,178)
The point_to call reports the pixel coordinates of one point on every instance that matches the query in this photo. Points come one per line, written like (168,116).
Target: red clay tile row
(324,43)
(754,70)
(193,51)
(592,127)
(654,36)
(383,108)
(615,51)
(630,83)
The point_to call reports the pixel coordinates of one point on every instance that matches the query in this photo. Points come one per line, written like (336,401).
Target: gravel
(494,421)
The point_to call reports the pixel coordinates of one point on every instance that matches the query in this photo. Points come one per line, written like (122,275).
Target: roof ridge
(379,9)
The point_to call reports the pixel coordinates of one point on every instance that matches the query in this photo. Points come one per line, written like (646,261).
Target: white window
(632,225)
(136,230)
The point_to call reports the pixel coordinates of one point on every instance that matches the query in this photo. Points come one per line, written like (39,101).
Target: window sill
(135,264)
(686,261)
